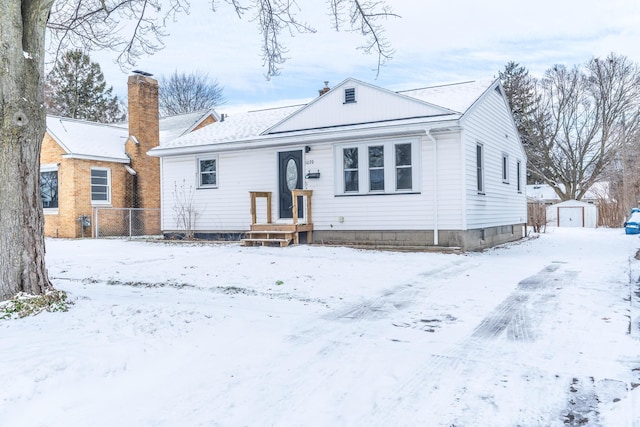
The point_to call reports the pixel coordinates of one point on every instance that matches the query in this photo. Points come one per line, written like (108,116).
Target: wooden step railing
(281,234)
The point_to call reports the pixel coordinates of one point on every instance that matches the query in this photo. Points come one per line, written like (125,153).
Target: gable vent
(349,95)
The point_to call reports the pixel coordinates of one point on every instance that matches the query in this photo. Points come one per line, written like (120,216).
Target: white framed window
(49,187)
(404,166)
(350,170)
(100,186)
(519,176)
(480,168)
(208,172)
(377,167)
(505,168)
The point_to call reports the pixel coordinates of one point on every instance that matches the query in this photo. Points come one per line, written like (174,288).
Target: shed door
(289,178)
(571,216)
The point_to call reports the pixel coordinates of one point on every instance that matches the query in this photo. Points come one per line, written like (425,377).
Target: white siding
(333,211)
(450,186)
(372,104)
(489,124)
(227,207)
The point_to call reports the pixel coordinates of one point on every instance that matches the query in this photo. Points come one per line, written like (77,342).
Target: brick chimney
(144,134)
(325,89)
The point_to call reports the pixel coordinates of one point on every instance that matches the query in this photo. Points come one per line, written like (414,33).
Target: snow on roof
(83,138)
(172,127)
(457,96)
(100,140)
(241,126)
(545,192)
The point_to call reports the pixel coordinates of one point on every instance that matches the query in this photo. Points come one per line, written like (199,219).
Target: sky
(540,332)
(435,42)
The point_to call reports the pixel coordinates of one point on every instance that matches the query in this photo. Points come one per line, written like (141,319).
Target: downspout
(435,188)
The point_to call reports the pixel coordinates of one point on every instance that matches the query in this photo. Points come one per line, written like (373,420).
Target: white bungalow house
(436,166)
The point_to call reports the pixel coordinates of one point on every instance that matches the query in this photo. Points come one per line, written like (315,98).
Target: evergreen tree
(76,88)
(520,91)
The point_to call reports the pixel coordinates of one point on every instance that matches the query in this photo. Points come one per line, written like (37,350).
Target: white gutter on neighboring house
(97,158)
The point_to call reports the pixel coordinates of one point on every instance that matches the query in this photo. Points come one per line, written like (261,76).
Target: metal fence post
(130,221)
(97,229)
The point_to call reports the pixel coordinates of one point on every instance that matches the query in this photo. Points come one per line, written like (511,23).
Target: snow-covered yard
(543,332)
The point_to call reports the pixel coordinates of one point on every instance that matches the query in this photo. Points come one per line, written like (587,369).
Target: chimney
(325,89)
(144,134)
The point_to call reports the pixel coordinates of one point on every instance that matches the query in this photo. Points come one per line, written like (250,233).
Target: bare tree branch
(363,17)
(186,93)
(137,27)
(577,129)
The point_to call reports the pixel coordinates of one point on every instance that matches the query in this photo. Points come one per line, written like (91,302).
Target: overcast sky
(435,42)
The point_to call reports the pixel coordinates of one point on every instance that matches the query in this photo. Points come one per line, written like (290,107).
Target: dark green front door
(289,178)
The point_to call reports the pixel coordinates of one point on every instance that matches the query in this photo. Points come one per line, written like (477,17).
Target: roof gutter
(98,158)
(316,137)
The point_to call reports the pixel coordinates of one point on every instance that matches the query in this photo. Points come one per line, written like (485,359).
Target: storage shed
(572,213)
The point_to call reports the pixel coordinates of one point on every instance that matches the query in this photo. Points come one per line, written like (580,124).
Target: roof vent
(349,95)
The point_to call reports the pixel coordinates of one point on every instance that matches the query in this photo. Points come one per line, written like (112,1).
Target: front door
(289,178)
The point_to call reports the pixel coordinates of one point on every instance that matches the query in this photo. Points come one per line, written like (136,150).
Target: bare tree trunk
(22,251)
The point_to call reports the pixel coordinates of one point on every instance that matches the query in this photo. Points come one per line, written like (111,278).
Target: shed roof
(568,203)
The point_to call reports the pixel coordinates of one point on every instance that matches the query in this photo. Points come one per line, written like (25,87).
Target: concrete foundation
(468,240)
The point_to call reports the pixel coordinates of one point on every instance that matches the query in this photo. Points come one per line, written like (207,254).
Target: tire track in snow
(324,344)
(443,382)
(399,297)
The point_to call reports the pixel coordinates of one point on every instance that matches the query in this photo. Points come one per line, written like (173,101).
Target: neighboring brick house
(88,165)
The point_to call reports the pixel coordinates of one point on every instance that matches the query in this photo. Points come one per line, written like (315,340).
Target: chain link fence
(126,222)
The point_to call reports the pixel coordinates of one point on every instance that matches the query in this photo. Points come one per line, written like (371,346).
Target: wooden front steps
(279,234)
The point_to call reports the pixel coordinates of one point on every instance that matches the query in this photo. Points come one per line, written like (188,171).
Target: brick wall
(74,190)
(144,126)
(205,122)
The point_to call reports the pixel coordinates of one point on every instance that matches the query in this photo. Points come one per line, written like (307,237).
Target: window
(49,186)
(376,168)
(349,95)
(386,167)
(519,175)
(100,185)
(350,166)
(403,167)
(505,168)
(480,168)
(208,173)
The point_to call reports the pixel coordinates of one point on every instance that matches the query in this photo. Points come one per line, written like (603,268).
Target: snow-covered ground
(543,332)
